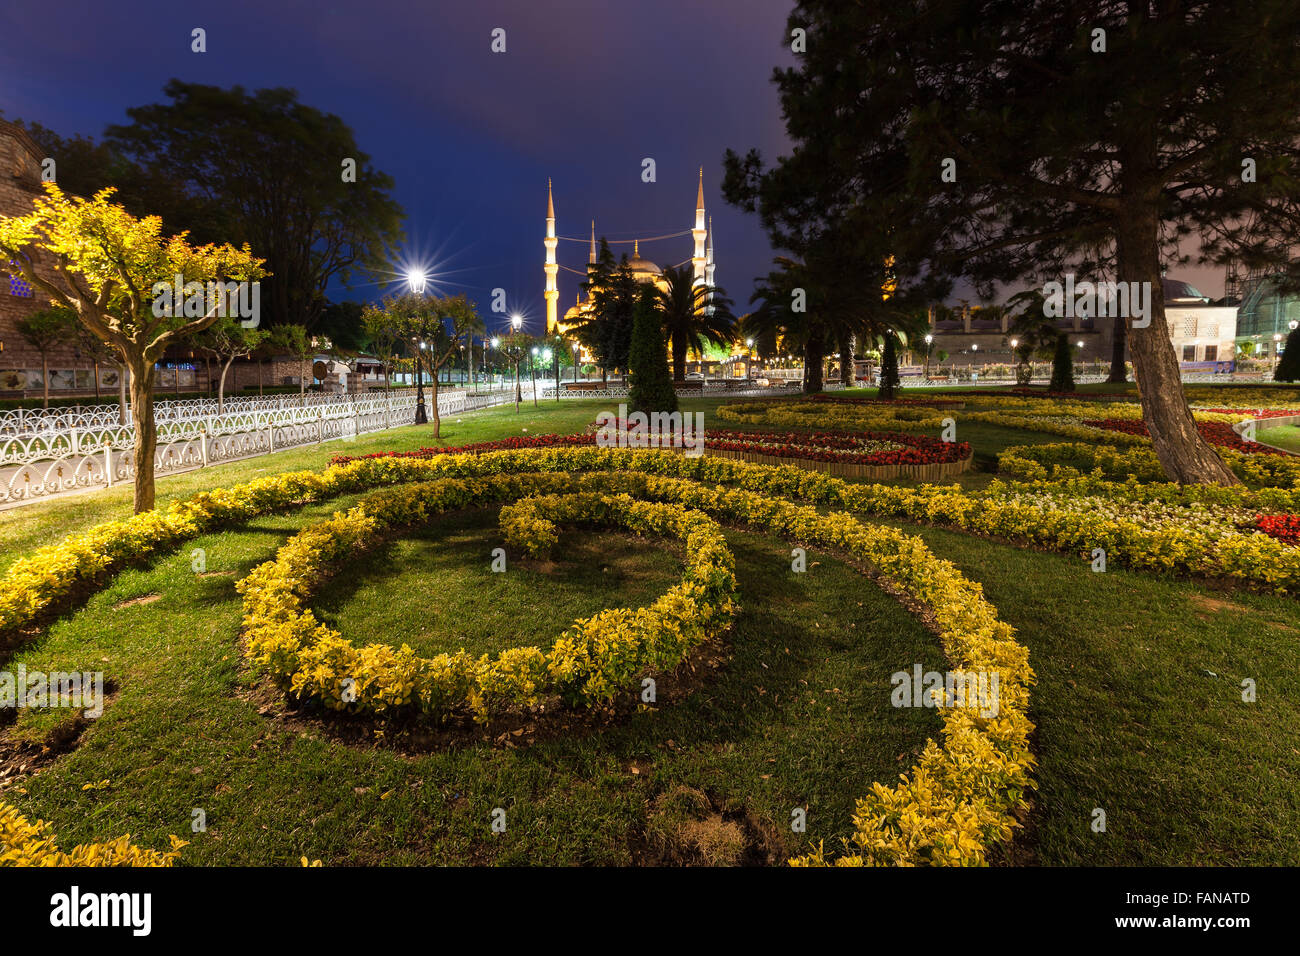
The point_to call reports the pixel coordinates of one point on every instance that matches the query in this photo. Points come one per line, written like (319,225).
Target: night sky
(585,90)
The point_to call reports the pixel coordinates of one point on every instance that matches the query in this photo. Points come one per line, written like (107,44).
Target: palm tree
(693,314)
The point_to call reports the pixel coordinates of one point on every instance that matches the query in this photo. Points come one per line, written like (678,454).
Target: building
(702,263)
(1201,331)
(20,364)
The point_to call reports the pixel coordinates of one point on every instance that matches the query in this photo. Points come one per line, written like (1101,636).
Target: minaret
(552,267)
(591,257)
(708,257)
(709,267)
(699,232)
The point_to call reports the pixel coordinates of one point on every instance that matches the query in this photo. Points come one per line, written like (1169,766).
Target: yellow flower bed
(957,801)
(23,843)
(591,662)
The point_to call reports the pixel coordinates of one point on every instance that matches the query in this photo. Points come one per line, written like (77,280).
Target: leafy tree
(45,331)
(692,315)
(650,386)
(1288,366)
(227,339)
(606,330)
(298,343)
(516,347)
(1066,151)
(343,325)
(382,332)
(443,324)
(107,265)
(266,169)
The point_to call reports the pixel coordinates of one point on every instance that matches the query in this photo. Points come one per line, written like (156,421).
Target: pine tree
(1062,366)
(650,388)
(1288,366)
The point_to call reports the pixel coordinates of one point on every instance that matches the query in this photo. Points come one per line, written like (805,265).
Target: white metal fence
(66,450)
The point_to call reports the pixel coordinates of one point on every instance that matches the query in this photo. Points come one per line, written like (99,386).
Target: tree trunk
(221,386)
(45,379)
(813,354)
(1118,370)
(122,375)
(437,419)
(96,374)
(1187,458)
(679,358)
(846,363)
(146,433)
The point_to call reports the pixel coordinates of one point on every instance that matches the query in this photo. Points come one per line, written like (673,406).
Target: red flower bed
(504,444)
(1283,527)
(1216,433)
(853,448)
(853,400)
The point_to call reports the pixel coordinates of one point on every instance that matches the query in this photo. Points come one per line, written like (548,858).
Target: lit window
(17,284)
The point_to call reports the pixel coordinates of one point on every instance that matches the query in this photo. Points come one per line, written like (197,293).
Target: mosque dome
(1175,290)
(642,266)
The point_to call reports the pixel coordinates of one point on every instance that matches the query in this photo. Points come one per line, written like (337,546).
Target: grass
(1286,437)
(1138,702)
(799,716)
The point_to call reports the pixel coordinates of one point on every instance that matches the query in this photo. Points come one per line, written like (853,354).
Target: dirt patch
(21,758)
(1212,605)
(142,599)
(688,827)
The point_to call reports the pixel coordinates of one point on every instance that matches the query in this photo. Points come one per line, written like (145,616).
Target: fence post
(203,444)
(320,425)
(108,465)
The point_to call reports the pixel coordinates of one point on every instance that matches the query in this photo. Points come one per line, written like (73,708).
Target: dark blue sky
(585,90)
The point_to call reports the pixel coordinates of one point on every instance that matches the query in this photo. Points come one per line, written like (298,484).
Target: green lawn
(1138,701)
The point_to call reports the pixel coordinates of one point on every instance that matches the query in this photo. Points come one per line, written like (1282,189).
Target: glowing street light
(416,280)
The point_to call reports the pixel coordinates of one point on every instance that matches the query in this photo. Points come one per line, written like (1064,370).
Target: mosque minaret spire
(698,233)
(552,267)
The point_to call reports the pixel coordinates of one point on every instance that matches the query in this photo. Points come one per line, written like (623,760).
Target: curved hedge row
(593,660)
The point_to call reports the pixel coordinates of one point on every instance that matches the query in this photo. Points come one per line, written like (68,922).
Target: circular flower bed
(589,663)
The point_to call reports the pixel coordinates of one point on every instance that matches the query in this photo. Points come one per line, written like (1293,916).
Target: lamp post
(577,350)
(749,358)
(1277,339)
(496,342)
(929,342)
(415,280)
(516,323)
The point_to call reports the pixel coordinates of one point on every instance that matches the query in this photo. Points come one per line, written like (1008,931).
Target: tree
(272,172)
(1039,134)
(606,330)
(1288,366)
(45,331)
(111,270)
(1062,365)
(650,386)
(516,347)
(692,315)
(100,353)
(888,367)
(297,341)
(227,339)
(381,330)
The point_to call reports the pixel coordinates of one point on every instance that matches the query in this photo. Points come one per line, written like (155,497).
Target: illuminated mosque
(643,269)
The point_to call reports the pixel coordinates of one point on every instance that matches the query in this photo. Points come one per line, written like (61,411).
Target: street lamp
(577,349)
(749,358)
(1277,338)
(929,341)
(532,374)
(415,279)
